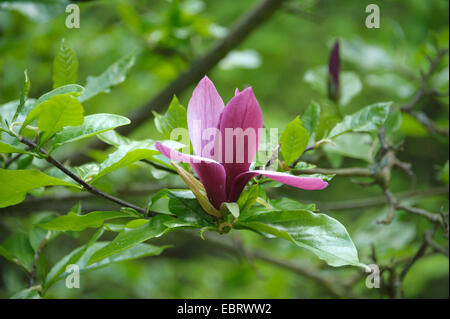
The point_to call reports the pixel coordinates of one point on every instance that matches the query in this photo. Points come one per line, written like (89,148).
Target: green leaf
(349,81)
(58,112)
(393,123)
(5,253)
(113,75)
(74,90)
(59,268)
(285,203)
(29,293)
(113,138)
(368,119)
(184,205)
(248,198)
(65,66)
(75,222)
(350,87)
(311,118)
(6,148)
(83,254)
(28,114)
(131,237)
(8,110)
(174,118)
(125,155)
(293,141)
(135,252)
(317,78)
(443,173)
(23,96)
(55,113)
(8,256)
(318,233)
(19,250)
(37,235)
(14,184)
(410,126)
(92,125)
(353,145)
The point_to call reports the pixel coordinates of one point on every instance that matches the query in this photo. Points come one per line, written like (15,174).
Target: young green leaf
(74,90)
(55,113)
(311,118)
(92,125)
(368,119)
(126,155)
(293,141)
(6,148)
(23,96)
(351,86)
(75,222)
(318,233)
(113,75)
(174,118)
(248,197)
(14,184)
(65,66)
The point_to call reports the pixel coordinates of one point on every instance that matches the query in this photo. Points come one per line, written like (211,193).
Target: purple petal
(308,183)
(204,109)
(242,114)
(211,173)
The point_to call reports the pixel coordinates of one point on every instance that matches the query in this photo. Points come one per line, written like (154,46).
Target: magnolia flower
(225,141)
(333,73)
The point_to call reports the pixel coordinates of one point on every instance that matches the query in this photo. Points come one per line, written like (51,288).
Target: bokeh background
(168,36)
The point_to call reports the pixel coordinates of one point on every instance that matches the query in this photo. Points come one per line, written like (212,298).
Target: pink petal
(242,112)
(308,183)
(211,173)
(204,109)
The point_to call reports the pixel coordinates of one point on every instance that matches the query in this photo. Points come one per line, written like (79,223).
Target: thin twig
(380,200)
(435,218)
(423,91)
(36,260)
(158,166)
(12,160)
(77,179)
